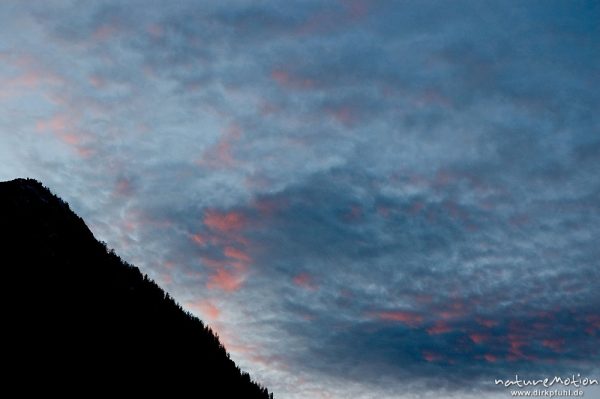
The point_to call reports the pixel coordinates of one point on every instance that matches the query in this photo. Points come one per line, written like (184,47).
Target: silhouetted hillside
(76,319)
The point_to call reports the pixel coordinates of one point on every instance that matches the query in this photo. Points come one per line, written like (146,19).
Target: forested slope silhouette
(77,319)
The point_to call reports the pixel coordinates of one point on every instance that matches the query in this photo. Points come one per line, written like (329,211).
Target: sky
(363,198)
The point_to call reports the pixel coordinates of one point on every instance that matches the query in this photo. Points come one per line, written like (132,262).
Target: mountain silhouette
(78,320)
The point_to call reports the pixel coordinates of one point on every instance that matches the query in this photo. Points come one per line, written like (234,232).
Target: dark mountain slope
(77,319)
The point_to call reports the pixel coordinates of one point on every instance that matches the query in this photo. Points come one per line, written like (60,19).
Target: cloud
(229,222)
(410,319)
(361,197)
(305,280)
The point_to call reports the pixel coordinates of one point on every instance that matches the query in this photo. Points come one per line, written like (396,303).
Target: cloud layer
(365,199)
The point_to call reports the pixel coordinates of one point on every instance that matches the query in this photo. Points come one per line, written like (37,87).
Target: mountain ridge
(77,316)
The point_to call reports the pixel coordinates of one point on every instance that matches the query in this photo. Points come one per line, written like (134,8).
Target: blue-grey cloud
(364,198)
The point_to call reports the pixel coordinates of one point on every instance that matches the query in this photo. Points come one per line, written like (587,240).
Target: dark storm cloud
(363,198)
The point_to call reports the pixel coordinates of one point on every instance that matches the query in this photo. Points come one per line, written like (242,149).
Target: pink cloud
(237,254)
(269,206)
(84,152)
(105,32)
(305,281)
(206,308)
(431,356)
(487,323)
(123,188)
(416,207)
(287,80)
(439,328)
(356,9)
(334,19)
(156,31)
(409,318)
(354,214)
(478,338)
(165,278)
(490,358)
(56,124)
(224,222)
(345,115)
(384,211)
(224,230)
(214,263)
(556,345)
(268,108)
(97,81)
(210,310)
(423,298)
(64,129)
(29,80)
(452,310)
(225,280)
(31,76)
(198,239)
(220,155)
(169,265)
(593,324)
(516,345)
